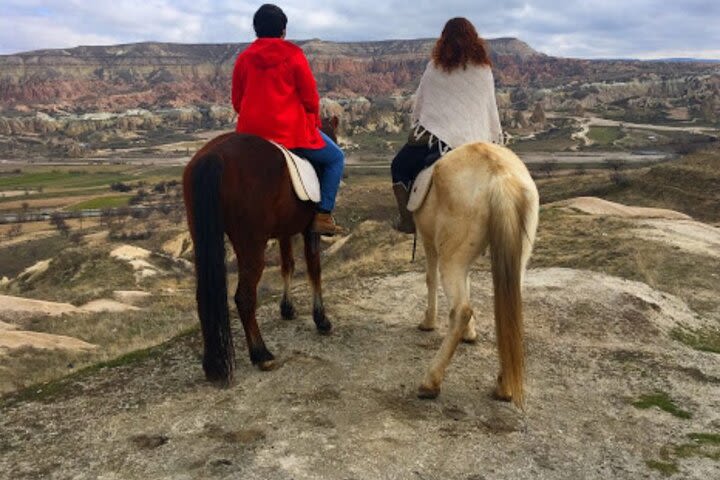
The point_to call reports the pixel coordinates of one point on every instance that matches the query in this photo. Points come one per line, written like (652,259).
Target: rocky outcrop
(146,86)
(161,75)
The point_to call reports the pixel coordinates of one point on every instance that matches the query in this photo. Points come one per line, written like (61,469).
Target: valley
(100,346)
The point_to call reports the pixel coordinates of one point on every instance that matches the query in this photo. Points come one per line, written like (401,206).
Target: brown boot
(324,224)
(405,224)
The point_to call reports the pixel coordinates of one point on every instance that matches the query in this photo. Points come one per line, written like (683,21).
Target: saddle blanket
(304,178)
(420,188)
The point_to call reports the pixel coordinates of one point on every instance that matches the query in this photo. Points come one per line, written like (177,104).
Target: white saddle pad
(304,178)
(420,188)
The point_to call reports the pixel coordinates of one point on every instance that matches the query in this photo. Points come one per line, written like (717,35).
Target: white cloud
(592,28)
(30,33)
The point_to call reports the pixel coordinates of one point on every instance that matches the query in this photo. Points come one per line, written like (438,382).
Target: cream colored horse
(481,196)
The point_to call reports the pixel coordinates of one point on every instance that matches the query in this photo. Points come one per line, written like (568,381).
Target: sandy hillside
(15,310)
(657,224)
(599,206)
(344,406)
(13,307)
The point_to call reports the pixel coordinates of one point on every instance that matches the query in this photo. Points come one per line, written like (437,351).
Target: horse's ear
(334,121)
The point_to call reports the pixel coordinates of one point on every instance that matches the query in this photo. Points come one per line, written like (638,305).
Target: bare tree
(14,231)
(616,165)
(548,167)
(23,215)
(57,220)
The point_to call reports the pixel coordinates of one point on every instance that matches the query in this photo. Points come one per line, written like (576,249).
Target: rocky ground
(614,388)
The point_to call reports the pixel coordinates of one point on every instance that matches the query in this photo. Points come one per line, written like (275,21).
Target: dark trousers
(410,160)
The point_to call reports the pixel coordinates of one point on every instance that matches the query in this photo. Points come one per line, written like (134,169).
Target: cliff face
(161,75)
(157,75)
(143,86)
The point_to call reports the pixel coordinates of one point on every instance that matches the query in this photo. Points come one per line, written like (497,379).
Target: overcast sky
(580,28)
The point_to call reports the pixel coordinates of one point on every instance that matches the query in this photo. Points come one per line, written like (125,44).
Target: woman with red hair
(454,104)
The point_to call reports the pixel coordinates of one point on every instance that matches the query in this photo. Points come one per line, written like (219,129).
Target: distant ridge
(499,46)
(686,60)
(153,75)
(657,60)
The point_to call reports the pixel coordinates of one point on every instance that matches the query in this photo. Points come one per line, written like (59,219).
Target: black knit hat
(269,21)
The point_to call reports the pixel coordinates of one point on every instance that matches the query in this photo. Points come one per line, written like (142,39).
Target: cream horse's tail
(509,210)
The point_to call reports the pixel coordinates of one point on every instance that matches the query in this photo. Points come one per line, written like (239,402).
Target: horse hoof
(427,393)
(470,339)
(267,365)
(425,328)
(219,381)
(219,373)
(499,392)
(325,328)
(497,395)
(287,310)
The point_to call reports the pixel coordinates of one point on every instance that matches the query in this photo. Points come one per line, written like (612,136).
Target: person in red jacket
(275,96)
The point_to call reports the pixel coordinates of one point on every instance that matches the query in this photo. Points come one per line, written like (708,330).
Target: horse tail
(211,293)
(509,212)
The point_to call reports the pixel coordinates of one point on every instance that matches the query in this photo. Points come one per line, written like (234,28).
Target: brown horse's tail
(509,210)
(209,242)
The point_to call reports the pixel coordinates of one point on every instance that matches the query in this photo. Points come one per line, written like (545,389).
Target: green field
(114,201)
(43,183)
(604,135)
(557,140)
(64,179)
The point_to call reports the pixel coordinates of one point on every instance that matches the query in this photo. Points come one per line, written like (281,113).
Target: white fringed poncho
(457,107)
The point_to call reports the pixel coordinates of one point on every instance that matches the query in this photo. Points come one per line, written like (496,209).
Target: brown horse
(239,185)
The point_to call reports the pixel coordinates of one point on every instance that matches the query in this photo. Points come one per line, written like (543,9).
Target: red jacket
(275,95)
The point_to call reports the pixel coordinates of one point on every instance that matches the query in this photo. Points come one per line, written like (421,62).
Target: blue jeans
(329,162)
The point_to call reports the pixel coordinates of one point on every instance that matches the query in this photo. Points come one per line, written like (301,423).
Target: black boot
(405,224)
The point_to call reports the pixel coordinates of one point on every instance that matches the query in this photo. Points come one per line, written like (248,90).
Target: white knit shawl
(457,107)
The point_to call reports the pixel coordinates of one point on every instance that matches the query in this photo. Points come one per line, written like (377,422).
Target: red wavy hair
(459,45)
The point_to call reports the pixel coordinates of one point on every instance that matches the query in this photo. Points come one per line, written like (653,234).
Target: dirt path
(604,122)
(344,406)
(582,135)
(688,235)
(599,206)
(656,224)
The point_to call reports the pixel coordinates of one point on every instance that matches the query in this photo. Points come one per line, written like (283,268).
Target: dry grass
(77,275)
(366,207)
(17,257)
(566,239)
(115,334)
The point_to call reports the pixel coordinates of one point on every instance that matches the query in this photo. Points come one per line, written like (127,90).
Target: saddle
(421,185)
(420,188)
(304,178)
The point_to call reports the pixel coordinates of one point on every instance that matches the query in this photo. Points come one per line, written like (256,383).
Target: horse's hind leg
(251,260)
(431,279)
(312,257)
(287,309)
(454,277)
(469,335)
